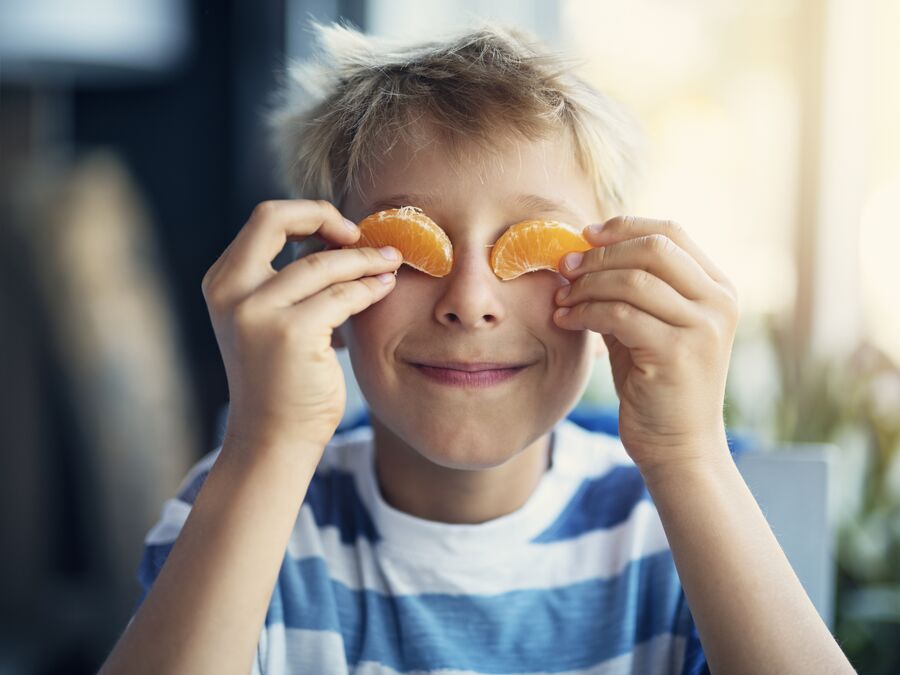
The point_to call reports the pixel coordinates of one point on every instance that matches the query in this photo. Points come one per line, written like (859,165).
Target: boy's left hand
(668,316)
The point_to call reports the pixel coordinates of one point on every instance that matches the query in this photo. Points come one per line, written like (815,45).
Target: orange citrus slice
(534,245)
(424,245)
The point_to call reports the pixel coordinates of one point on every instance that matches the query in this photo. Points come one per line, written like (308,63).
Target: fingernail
(386,277)
(390,253)
(573,260)
(350,225)
(594,230)
(560,313)
(563,292)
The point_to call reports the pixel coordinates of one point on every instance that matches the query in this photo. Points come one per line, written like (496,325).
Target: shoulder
(332,497)
(345,452)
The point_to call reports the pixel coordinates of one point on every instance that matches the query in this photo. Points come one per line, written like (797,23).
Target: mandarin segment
(424,245)
(534,245)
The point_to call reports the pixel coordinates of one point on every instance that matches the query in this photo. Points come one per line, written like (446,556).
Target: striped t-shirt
(580,579)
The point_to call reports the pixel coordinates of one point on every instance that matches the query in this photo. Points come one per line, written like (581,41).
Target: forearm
(206,608)
(751,612)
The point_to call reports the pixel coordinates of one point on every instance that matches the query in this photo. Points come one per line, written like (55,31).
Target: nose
(471,295)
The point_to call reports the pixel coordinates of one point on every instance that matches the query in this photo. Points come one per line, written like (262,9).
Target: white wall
(406,18)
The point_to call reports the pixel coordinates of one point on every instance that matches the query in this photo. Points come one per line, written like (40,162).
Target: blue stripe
(334,501)
(555,629)
(694,657)
(189,494)
(564,628)
(599,503)
(151,563)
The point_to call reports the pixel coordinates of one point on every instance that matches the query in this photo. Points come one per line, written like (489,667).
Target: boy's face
(470,315)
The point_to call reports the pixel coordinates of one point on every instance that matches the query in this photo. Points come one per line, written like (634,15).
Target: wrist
(271,448)
(702,458)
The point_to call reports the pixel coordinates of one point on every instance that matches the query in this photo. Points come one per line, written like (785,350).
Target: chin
(466,458)
(463,445)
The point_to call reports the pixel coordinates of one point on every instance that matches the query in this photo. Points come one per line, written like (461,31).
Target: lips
(470,367)
(470,374)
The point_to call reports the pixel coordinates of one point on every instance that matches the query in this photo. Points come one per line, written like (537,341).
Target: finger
(334,305)
(653,253)
(271,225)
(220,261)
(636,287)
(313,273)
(621,228)
(631,326)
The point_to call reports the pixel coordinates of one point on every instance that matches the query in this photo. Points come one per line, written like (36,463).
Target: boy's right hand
(274,329)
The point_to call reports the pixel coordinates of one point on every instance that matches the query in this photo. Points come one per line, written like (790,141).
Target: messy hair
(345,107)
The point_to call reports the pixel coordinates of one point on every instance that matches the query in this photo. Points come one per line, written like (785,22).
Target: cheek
(379,323)
(570,352)
(571,364)
(533,299)
(571,347)
(405,301)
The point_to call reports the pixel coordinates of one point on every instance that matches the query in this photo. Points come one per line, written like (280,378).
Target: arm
(668,316)
(287,396)
(752,614)
(204,612)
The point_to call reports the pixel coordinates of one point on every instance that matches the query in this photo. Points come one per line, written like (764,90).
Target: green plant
(853,403)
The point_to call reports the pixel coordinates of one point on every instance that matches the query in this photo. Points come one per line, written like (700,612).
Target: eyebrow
(403,199)
(536,204)
(532,203)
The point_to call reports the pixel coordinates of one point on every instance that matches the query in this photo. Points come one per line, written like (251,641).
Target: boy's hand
(274,328)
(668,316)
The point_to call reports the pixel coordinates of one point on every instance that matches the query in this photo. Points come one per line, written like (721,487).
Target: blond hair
(344,108)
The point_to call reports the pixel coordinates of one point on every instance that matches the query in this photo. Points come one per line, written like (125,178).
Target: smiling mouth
(480,374)
(470,367)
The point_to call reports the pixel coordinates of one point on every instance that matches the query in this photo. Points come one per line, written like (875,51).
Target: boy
(471,528)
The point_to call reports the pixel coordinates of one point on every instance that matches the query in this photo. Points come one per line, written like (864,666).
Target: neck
(415,485)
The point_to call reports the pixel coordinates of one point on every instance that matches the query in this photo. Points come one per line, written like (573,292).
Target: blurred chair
(791,483)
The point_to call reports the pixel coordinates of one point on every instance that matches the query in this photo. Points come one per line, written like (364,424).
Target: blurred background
(133,148)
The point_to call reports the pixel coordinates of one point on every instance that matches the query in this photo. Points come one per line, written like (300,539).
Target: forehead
(531,177)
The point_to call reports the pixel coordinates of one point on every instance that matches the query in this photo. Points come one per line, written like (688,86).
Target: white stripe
(174,513)
(600,553)
(296,650)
